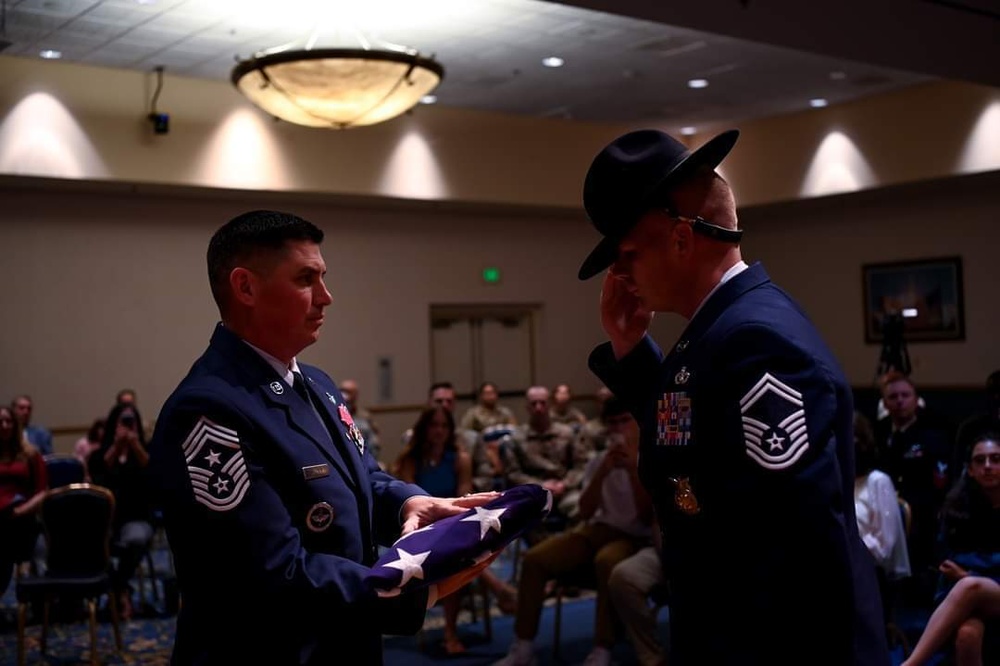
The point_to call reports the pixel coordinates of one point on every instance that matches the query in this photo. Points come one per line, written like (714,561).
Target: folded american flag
(451,545)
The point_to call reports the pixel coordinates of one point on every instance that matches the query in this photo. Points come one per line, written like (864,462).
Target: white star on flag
(486,518)
(409,564)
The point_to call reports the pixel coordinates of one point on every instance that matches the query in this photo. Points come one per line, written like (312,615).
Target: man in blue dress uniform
(747,439)
(273,502)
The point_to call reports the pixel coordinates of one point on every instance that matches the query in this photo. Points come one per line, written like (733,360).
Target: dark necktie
(299,384)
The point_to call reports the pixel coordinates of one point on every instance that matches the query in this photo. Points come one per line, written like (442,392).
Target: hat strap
(706,228)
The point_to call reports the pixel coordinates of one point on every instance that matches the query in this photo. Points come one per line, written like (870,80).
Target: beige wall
(83,122)
(106,287)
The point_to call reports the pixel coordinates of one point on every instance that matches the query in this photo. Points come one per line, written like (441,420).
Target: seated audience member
(548,454)
(593,430)
(563,411)
(633,582)
(489,470)
(487,412)
(876,506)
(90,442)
(616,514)
(119,465)
(442,394)
(434,461)
(979,424)
(36,435)
(23,482)
(914,449)
(969,595)
(362,417)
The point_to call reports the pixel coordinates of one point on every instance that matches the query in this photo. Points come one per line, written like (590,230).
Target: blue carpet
(148,637)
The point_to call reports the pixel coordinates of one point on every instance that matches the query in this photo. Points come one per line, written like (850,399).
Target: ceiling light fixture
(337,88)
(688,131)
(818,103)
(429,99)
(553,61)
(50,54)
(698,83)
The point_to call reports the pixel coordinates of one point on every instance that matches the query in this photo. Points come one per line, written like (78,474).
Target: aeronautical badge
(320,517)
(774,423)
(353,432)
(673,419)
(215,464)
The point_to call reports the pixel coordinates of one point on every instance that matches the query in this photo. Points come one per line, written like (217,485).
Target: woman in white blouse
(880,521)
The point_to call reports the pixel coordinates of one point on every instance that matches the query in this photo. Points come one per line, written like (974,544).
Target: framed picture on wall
(926,293)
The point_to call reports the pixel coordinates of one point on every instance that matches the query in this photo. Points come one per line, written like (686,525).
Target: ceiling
(628,67)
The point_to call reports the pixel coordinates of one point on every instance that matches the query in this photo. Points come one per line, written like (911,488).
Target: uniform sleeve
(230,526)
(779,418)
(633,378)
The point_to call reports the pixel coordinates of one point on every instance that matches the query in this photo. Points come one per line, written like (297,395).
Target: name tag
(315,472)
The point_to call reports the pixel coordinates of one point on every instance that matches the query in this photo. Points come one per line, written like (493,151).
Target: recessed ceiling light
(553,61)
(145,2)
(50,54)
(428,99)
(818,103)
(688,131)
(698,83)
(838,76)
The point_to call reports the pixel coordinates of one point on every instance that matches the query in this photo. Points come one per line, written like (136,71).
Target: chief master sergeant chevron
(747,440)
(273,504)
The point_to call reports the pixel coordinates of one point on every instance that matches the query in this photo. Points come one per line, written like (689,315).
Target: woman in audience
(89,442)
(433,461)
(971,535)
(119,466)
(876,505)
(23,482)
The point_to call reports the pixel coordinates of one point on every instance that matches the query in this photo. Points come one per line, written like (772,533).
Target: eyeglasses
(706,228)
(980,460)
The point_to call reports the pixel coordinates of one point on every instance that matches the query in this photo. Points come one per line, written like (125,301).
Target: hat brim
(707,156)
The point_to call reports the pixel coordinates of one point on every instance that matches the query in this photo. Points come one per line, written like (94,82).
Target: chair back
(64,470)
(77,523)
(907,513)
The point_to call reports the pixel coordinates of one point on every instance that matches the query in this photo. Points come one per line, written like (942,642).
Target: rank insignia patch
(673,419)
(774,423)
(215,464)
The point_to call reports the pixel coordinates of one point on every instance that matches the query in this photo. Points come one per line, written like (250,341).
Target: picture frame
(926,293)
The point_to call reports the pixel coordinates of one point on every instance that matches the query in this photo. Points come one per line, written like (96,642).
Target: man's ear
(243,284)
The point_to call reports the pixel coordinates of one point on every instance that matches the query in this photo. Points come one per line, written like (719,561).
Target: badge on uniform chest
(673,419)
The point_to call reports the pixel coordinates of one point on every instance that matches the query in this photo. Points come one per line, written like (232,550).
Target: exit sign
(491,275)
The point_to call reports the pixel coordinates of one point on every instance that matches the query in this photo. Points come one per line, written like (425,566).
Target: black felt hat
(634,174)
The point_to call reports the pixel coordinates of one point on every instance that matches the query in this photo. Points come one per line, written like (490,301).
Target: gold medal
(684,497)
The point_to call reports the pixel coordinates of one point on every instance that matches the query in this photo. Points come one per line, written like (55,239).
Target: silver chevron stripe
(231,481)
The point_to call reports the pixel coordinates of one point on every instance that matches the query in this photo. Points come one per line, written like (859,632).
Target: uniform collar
(733,271)
(741,280)
(286,372)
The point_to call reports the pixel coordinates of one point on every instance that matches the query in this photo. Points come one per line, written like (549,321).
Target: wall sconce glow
(838,166)
(412,171)
(553,61)
(243,154)
(909,313)
(429,99)
(50,54)
(688,131)
(698,83)
(40,137)
(818,103)
(982,148)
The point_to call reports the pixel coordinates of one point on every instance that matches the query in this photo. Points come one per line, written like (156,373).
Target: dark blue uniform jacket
(273,526)
(748,451)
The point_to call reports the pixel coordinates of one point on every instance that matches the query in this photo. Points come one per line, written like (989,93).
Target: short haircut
(894,376)
(613,406)
(439,385)
(249,237)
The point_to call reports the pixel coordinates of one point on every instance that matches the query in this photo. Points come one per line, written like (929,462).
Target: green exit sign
(491,275)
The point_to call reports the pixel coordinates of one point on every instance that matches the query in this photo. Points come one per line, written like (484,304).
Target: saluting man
(273,502)
(747,444)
